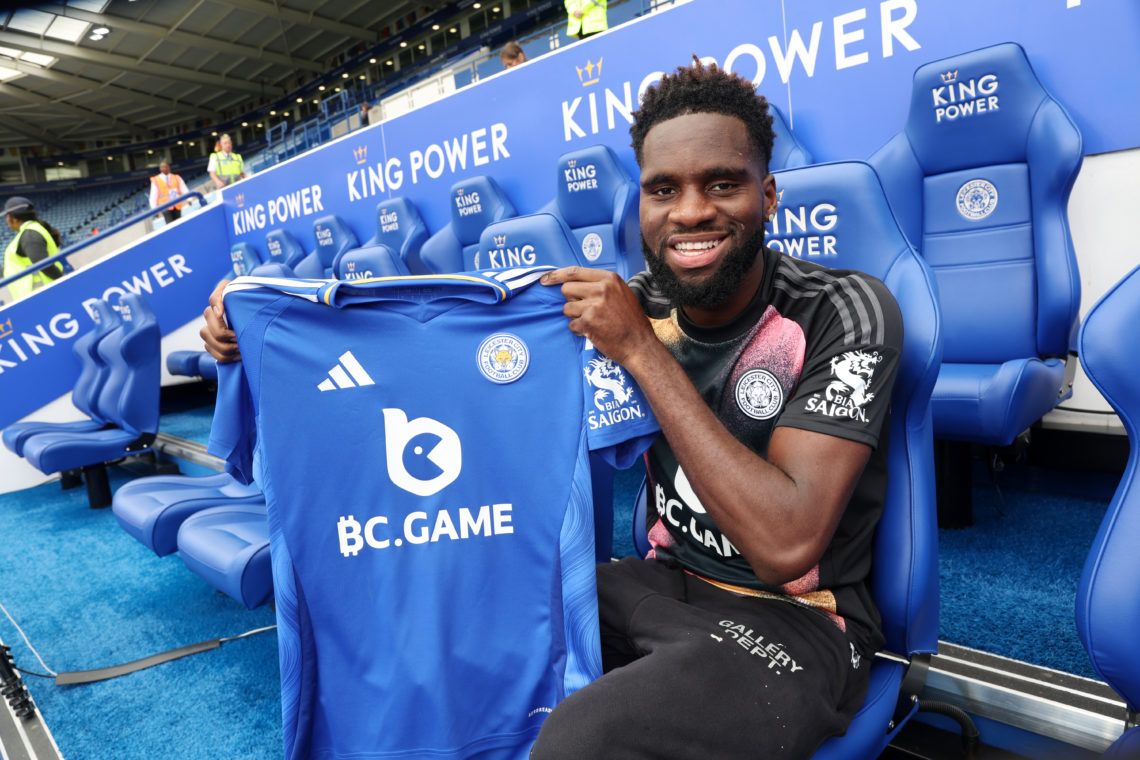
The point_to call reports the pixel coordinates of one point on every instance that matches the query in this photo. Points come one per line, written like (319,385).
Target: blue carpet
(191,424)
(88,596)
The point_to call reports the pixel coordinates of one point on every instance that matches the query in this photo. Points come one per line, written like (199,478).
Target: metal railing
(75,248)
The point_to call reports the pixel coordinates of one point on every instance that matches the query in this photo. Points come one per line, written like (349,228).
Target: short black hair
(705,89)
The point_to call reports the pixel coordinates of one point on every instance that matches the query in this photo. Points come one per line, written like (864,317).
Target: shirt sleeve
(212,166)
(153,194)
(849,371)
(619,422)
(233,434)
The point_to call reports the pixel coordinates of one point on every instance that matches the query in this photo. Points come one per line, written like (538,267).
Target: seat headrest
(475,203)
(333,237)
(244,258)
(836,215)
(787,151)
(372,261)
(283,248)
(104,316)
(973,109)
(134,311)
(527,241)
(588,181)
(397,220)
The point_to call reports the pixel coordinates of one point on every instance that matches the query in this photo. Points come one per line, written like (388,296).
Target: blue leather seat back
(333,238)
(374,260)
(1108,606)
(787,151)
(475,203)
(597,198)
(93,372)
(400,227)
(283,248)
(243,258)
(129,397)
(530,240)
(980,179)
(844,203)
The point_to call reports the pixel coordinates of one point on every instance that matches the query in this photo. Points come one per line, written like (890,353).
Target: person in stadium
(166,186)
(35,240)
(512,55)
(226,167)
(585,18)
(750,629)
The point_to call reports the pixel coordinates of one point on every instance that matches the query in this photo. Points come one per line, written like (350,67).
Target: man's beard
(715,289)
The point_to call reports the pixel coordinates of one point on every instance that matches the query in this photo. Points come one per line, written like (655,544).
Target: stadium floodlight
(101,30)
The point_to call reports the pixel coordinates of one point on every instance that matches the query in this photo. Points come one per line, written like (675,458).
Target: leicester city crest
(759,394)
(503,358)
(977,199)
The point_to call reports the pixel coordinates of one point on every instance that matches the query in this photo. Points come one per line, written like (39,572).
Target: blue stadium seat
(183,363)
(283,248)
(980,179)
(244,258)
(787,151)
(333,238)
(475,203)
(85,394)
(904,574)
(530,240)
(229,548)
(128,398)
(1108,607)
(597,198)
(152,509)
(370,261)
(400,227)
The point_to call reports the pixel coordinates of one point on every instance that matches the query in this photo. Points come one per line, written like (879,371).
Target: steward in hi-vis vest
(33,243)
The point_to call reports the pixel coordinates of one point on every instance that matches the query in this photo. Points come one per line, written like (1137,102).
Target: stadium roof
(120,69)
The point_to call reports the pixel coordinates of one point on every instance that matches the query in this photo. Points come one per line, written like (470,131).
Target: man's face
(704,197)
(227,144)
(510,63)
(164,168)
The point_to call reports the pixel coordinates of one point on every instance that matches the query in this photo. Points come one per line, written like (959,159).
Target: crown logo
(500,241)
(571,163)
(949,76)
(239,199)
(592,71)
(780,194)
(352,266)
(6,328)
(360,154)
(459,192)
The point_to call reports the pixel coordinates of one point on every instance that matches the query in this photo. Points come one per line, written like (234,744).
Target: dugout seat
(530,240)
(980,179)
(475,203)
(400,227)
(85,395)
(333,238)
(904,575)
(128,398)
(1108,607)
(369,261)
(152,509)
(228,547)
(283,249)
(597,199)
(787,151)
(244,259)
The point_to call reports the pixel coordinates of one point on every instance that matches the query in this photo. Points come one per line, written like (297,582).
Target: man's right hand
(219,338)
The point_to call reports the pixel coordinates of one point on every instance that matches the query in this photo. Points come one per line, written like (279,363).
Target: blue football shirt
(423,444)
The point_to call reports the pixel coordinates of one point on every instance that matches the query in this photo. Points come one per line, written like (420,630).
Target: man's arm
(780,512)
(212,168)
(153,194)
(34,247)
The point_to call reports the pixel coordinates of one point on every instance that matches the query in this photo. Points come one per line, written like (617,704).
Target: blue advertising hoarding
(175,269)
(841,72)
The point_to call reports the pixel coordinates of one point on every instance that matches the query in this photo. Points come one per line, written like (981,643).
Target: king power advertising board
(174,269)
(839,71)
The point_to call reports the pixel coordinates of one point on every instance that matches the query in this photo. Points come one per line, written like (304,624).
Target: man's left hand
(602,308)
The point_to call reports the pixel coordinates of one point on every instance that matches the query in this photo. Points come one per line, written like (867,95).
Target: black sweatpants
(693,671)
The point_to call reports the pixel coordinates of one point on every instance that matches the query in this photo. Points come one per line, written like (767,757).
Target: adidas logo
(347,374)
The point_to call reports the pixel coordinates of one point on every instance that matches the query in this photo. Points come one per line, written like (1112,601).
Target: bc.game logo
(956,99)
(436,454)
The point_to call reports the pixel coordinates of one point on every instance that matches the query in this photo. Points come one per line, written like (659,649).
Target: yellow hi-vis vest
(228,168)
(14,262)
(167,185)
(593,17)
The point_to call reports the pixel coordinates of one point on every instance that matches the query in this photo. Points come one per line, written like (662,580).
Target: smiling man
(748,631)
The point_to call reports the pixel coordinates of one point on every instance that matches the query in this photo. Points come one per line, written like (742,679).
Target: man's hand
(601,307)
(219,338)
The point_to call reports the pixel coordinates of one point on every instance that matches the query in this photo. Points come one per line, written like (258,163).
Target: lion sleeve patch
(620,424)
